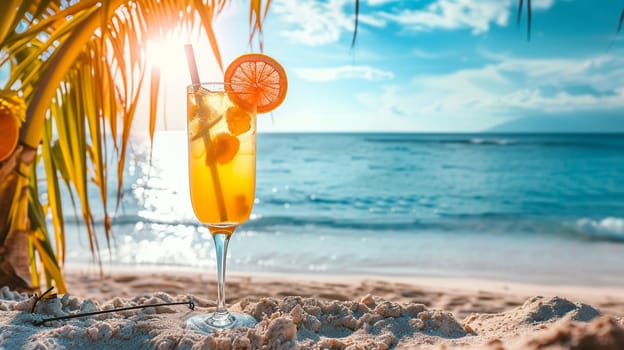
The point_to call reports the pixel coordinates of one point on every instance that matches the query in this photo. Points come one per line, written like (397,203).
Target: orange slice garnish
(223,148)
(256,82)
(238,120)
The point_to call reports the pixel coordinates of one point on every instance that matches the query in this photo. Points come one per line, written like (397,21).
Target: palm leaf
(257,17)
(80,68)
(529,16)
(154,86)
(355,27)
(41,242)
(54,193)
(7,17)
(207,16)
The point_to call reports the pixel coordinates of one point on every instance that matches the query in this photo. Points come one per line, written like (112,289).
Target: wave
(131,220)
(604,229)
(584,141)
(478,141)
(607,229)
(461,141)
(610,228)
(334,223)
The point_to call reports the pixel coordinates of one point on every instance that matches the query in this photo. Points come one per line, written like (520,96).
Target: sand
(317,312)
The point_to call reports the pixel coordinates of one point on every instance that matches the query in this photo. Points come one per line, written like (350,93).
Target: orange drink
(221,125)
(222,157)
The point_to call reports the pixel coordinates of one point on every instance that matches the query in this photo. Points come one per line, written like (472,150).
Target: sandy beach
(317,312)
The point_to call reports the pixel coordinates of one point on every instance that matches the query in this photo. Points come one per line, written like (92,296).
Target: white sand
(312,312)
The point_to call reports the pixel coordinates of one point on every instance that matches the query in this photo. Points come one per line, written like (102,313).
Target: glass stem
(221,240)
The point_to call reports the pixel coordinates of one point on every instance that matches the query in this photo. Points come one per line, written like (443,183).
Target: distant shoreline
(423,133)
(444,133)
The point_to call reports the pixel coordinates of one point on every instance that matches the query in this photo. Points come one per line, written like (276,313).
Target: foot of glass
(208,323)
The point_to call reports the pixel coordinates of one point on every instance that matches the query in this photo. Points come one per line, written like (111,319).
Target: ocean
(540,208)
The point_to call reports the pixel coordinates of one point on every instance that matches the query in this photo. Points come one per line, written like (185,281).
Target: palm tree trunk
(14,223)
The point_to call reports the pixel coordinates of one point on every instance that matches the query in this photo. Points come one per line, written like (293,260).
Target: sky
(447,65)
(422,65)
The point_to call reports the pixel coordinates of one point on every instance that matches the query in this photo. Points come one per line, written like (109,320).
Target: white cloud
(344,72)
(476,98)
(319,23)
(542,4)
(561,102)
(454,14)
(380,2)
(512,85)
(323,22)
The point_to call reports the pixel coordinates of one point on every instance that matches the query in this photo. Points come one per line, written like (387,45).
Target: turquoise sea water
(536,208)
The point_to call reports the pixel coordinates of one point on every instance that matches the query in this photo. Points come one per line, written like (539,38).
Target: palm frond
(80,68)
(257,15)
(529,19)
(519,13)
(529,16)
(355,29)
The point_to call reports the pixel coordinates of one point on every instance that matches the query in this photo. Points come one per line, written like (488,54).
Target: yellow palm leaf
(81,79)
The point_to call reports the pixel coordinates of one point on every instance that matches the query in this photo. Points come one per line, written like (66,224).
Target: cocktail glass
(222,179)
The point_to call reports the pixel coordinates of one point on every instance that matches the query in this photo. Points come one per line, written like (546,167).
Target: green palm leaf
(80,69)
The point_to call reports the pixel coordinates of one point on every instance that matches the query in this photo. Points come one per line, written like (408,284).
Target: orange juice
(222,158)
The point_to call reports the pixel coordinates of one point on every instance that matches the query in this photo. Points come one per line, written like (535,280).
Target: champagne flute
(222,178)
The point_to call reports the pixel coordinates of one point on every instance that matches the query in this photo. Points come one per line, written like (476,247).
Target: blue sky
(425,65)
(445,65)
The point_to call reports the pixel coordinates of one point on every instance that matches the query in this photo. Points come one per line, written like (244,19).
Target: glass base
(208,323)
